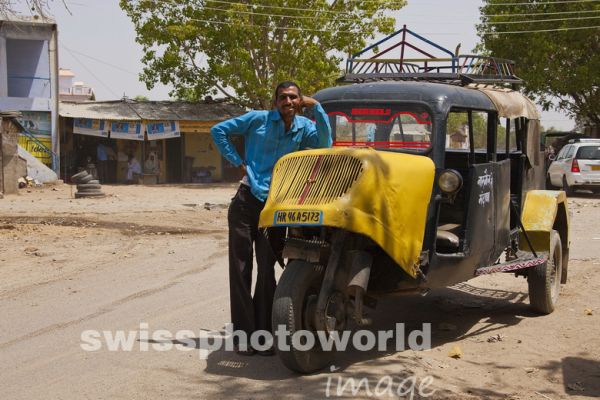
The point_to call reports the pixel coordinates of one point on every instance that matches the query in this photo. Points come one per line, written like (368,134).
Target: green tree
(560,61)
(241,49)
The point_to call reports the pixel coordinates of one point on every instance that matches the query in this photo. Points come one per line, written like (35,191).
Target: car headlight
(450,181)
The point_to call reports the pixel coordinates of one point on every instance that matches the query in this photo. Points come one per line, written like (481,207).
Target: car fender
(543,212)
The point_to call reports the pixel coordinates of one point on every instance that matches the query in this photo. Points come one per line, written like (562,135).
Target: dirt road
(150,258)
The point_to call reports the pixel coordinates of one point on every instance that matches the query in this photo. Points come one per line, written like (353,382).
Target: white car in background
(577,166)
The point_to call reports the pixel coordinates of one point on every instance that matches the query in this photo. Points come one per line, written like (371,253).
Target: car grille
(314,179)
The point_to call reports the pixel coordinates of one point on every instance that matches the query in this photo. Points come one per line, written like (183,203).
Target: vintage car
(435,178)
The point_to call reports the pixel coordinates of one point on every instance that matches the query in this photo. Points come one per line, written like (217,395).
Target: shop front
(149,143)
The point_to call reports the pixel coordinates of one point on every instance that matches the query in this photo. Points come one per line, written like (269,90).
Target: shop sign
(91,127)
(162,130)
(129,130)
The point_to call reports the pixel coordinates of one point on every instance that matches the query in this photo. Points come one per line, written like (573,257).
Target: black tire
(88,186)
(96,193)
(544,279)
(298,287)
(565,186)
(79,175)
(96,181)
(86,179)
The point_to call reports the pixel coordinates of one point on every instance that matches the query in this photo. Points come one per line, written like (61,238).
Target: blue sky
(98,43)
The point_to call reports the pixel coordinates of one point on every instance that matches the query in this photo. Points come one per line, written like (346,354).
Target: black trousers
(250,313)
(102,166)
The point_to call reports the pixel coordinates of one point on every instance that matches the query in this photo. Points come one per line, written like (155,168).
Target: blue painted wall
(28,68)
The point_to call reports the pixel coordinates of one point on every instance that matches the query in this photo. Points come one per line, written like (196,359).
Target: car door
(556,170)
(566,164)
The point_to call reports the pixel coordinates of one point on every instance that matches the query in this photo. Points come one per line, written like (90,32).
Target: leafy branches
(561,67)
(242,49)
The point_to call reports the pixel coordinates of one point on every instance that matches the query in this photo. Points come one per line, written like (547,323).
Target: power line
(274,15)
(542,13)
(284,28)
(542,30)
(294,28)
(266,6)
(528,3)
(91,73)
(540,20)
(99,60)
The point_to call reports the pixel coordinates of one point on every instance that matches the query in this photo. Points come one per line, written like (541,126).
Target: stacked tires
(87,186)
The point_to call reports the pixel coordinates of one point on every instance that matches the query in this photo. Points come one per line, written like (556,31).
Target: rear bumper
(580,182)
(586,185)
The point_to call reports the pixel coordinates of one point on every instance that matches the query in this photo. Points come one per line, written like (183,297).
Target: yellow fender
(544,211)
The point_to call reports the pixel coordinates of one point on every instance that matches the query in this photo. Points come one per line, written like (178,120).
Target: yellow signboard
(35,149)
(196,126)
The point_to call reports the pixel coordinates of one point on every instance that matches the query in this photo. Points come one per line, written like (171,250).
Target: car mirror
(551,157)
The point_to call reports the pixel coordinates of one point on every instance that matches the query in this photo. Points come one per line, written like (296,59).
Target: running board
(519,263)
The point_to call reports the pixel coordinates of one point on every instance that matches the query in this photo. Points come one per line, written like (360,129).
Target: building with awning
(170,139)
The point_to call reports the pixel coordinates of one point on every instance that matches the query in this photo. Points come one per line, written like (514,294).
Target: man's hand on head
(308,102)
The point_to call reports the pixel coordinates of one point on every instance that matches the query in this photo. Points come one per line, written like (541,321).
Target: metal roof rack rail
(450,68)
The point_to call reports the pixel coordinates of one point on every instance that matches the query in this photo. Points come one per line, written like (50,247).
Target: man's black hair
(285,85)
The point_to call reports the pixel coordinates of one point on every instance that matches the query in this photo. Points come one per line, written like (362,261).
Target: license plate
(595,167)
(298,217)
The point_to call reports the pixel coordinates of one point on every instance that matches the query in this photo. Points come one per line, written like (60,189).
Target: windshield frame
(399,107)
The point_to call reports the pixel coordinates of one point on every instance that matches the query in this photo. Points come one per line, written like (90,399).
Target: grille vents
(314,179)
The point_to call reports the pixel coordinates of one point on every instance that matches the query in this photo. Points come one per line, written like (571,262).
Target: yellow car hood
(379,194)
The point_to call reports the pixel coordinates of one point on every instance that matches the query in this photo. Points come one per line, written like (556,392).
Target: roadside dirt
(157,255)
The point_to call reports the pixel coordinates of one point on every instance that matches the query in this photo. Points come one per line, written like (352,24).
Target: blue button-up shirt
(266,141)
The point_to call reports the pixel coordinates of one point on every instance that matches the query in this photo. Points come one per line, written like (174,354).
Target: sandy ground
(157,256)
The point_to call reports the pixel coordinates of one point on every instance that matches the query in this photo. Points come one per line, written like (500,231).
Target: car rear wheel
(565,186)
(544,279)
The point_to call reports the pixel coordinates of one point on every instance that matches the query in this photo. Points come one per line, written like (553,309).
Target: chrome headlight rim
(450,181)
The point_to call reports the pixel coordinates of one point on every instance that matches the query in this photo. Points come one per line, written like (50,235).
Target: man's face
(288,102)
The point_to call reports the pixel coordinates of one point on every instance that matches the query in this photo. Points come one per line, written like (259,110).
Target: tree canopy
(242,49)
(556,47)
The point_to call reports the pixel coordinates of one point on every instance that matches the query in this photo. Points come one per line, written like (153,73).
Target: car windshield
(588,153)
(381,126)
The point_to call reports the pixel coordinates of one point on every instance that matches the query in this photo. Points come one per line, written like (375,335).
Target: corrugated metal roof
(150,110)
(98,110)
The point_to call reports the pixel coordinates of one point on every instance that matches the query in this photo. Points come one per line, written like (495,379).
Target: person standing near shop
(134,169)
(102,162)
(269,135)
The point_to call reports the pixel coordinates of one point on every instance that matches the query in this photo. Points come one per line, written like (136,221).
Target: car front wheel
(544,279)
(294,309)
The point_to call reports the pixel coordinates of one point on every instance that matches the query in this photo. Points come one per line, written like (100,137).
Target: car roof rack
(450,68)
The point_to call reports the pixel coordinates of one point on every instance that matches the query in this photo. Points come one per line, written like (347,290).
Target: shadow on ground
(453,313)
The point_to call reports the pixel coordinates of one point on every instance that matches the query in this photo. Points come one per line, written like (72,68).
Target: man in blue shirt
(269,135)
(102,162)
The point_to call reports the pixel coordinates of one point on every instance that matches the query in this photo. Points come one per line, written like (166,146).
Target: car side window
(561,153)
(570,152)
